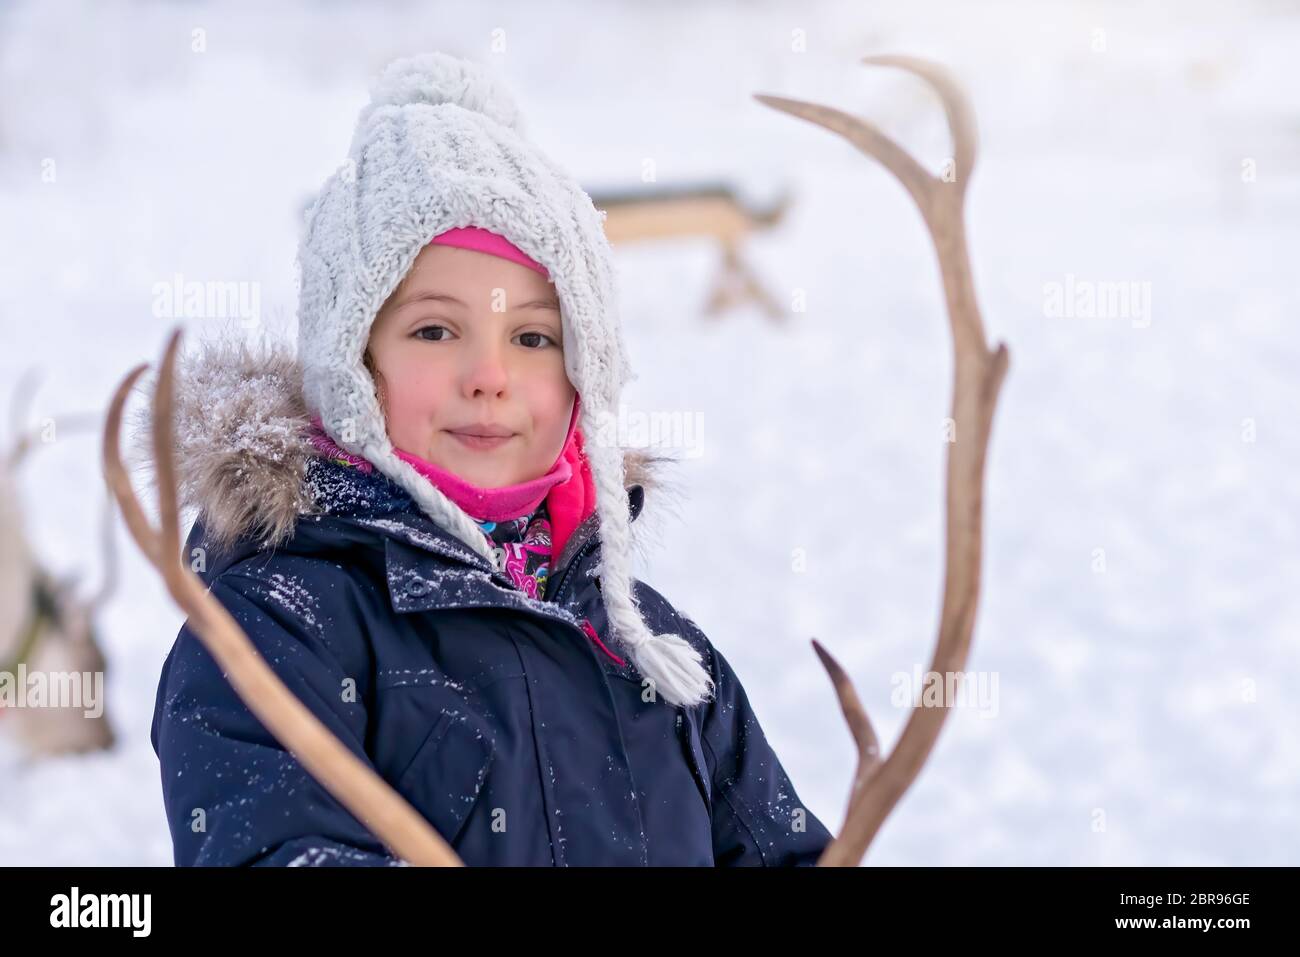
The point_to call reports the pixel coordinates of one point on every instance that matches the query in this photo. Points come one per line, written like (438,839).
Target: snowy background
(1146,712)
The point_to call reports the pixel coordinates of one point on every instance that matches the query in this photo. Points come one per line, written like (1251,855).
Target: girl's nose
(486,371)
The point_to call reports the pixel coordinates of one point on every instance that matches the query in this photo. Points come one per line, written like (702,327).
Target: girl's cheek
(408,383)
(551,406)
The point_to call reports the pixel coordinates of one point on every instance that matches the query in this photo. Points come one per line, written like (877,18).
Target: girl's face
(471,342)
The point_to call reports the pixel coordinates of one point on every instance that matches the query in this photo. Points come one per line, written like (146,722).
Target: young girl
(423,523)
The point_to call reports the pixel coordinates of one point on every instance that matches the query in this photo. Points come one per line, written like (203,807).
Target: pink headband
(485,241)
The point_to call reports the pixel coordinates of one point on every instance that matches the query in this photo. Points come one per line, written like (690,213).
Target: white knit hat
(440,146)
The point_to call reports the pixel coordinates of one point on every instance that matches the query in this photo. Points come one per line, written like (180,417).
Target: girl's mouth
(481,442)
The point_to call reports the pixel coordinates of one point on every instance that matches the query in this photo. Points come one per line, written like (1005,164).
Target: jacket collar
(427,567)
(373,500)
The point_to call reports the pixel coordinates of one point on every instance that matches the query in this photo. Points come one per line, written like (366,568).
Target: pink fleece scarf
(497,504)
(567,488)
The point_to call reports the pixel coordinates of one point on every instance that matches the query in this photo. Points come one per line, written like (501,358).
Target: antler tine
(866,136)
(961,116)
(164,454)
(864,735)
(18,402)
(108,544)
(977,377)
(115,475)
(352,782)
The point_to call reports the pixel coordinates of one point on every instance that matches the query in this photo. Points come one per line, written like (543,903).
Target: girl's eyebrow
(548,303)
(432,297)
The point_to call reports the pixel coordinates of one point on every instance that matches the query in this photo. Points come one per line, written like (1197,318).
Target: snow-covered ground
(1145,709)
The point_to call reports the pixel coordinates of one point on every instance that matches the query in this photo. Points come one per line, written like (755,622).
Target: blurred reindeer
(46,627)
(711,210)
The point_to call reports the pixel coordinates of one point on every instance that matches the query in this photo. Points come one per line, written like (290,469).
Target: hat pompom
(438,78)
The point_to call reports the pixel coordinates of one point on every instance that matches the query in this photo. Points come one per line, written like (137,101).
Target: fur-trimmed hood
(243,447)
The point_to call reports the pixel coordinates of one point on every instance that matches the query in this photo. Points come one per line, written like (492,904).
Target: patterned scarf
(525,546)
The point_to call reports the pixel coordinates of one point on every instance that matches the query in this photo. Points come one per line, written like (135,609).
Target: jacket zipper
(588,629)
(590,543)
(577,558)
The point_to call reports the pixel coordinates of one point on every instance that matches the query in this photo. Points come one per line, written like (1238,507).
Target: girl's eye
(443,333)
(536,335)
(423,329)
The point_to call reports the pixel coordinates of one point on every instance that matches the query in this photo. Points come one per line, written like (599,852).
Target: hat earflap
(672,664)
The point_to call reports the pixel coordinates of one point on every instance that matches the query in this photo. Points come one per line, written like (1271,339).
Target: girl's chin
(483,469)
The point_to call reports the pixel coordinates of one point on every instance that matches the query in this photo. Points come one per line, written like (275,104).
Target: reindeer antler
(340,771)
(977,377)
(23,439)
